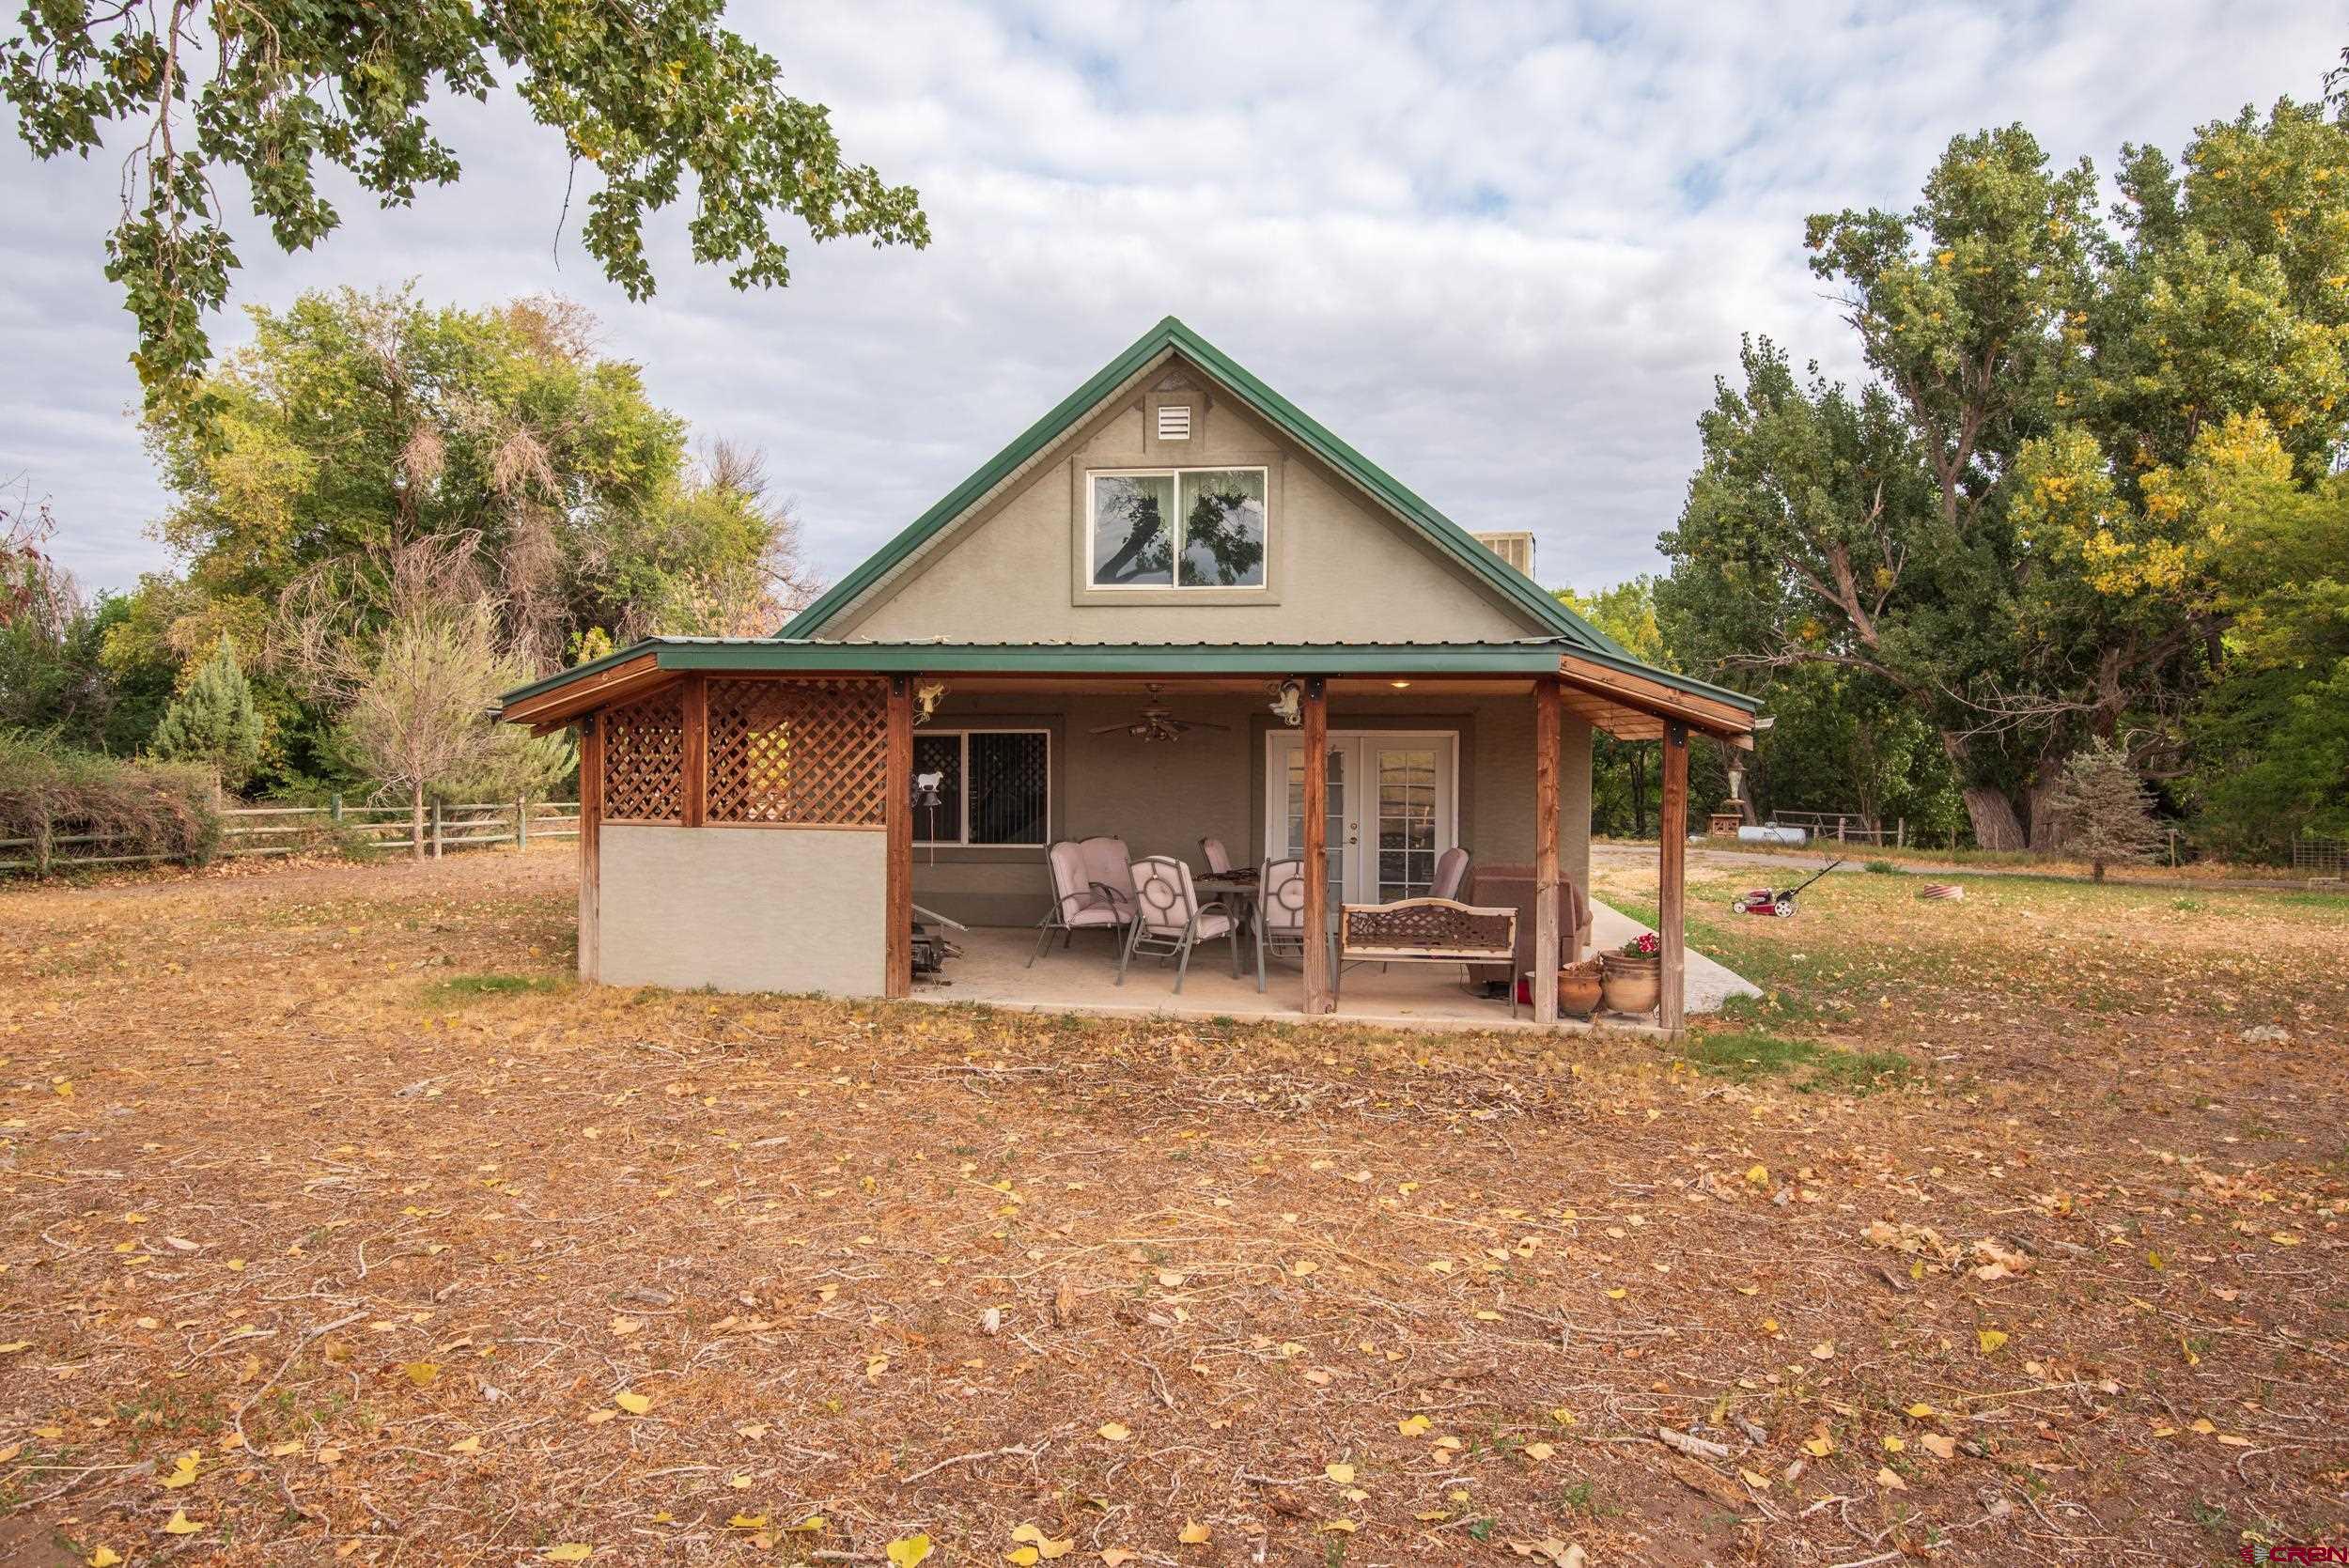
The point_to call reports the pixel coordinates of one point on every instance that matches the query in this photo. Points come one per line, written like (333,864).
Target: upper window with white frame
(992,787)
(1178,528)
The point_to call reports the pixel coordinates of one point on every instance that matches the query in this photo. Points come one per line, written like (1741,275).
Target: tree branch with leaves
(656,98)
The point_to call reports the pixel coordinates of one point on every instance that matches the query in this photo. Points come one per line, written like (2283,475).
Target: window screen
(994,786)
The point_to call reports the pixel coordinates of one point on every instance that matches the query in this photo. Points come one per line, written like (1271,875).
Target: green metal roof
(1172,335)
(1530,656)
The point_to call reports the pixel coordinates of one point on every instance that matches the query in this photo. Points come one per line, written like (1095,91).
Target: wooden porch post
(1317,811)
(693,755)
(1547,705)
(1671,876)
(897,818)
(590,824)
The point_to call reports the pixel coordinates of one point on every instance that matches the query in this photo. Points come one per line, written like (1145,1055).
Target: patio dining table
(1239,887)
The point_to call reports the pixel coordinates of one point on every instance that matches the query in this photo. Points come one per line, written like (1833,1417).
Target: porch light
(1398,685)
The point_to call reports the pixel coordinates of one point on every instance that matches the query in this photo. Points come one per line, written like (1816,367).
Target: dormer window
(1178,527)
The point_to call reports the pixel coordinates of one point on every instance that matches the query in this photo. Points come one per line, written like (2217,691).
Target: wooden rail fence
(290,829)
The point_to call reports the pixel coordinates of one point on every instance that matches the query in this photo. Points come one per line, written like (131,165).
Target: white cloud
(1502,249)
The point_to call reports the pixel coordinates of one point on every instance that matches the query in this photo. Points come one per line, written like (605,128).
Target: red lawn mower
(1778,903)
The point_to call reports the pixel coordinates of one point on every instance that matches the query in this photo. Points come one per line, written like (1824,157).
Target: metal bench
(1425,931)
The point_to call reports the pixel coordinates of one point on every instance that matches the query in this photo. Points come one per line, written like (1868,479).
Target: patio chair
(1218,858)
(1079,903)
(1451,868)
(1108,866)
(1280,914)
(1168,921)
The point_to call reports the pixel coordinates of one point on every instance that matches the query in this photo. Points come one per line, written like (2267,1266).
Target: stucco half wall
(766,909)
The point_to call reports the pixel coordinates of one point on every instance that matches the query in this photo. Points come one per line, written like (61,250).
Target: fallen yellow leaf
(1412,1426)
(1341,1473)
(1193,1534)
(422,1373)
(1990,1338)
(631,1401)
(569,1551)
(105,1557)
(907,1550)
(180,1523)
(1115,1432)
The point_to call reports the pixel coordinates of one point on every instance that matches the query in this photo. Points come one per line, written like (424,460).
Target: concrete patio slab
(993,970)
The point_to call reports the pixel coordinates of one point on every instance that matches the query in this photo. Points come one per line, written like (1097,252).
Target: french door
(1393,799)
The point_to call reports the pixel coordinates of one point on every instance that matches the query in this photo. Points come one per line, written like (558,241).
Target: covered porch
(769,814)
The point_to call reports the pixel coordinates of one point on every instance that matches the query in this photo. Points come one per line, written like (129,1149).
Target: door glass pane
(1407,824)
(938,810)
(1224,527)
(1133,541)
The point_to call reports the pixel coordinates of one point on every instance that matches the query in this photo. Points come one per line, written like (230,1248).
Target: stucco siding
(743,908)
(1339,569)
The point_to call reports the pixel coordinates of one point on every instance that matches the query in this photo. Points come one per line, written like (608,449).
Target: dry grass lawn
(341,1225)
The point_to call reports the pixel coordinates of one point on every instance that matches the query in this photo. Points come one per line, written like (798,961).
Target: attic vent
(1517,550)
(1174,421)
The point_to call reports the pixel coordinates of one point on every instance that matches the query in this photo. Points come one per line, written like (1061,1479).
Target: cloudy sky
(1502,249)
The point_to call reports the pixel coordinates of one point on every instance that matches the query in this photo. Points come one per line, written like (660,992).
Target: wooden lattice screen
(811,752)
(643,759)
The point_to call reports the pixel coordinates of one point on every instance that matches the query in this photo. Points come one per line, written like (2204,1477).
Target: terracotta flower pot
(1579,987)
(1632,985)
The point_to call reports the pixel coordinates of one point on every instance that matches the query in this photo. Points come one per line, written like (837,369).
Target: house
(1089,636)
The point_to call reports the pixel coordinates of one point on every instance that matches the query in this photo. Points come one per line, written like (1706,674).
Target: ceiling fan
(1157,723)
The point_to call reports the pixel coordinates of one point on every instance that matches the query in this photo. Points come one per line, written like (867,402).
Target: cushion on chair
(1213,922)
(1106,861)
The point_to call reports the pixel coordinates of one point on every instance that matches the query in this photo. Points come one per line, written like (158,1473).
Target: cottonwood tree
(1989,524)
(212,721)
(656,99)
(357,423)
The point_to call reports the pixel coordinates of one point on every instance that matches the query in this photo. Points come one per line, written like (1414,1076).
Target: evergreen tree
(2105,812)
(212,721)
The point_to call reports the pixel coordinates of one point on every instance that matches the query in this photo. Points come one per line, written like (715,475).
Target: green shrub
(49,791)
(1882,868)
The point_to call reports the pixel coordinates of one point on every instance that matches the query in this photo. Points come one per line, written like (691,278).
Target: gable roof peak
(1172,332)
